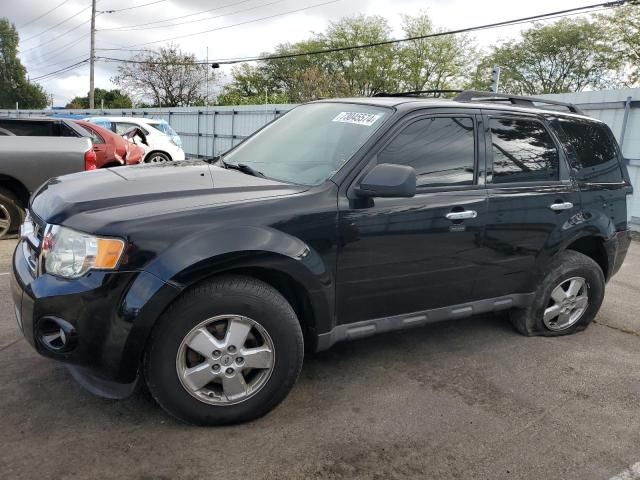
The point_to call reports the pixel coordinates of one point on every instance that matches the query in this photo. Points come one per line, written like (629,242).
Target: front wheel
(566,301)
(157,157)
(227,351)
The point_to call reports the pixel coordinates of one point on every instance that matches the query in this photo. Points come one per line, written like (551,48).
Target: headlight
(71,254)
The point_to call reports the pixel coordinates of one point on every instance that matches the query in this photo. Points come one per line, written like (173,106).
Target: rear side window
(440,149)
(523,151)
(591,149)
(32,128)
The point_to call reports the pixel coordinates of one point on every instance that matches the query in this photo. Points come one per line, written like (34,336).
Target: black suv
(341,219)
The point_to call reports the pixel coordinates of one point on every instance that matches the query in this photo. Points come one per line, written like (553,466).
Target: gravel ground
(466,399)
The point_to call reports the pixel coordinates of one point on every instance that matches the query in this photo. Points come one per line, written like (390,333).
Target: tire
(220,303)
(570,270)
(11,215)
(157,157)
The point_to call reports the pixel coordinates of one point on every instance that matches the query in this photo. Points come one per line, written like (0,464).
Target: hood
(150,189)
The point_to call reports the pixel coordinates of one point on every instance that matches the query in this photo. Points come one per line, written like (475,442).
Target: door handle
(461,215)
(561,206)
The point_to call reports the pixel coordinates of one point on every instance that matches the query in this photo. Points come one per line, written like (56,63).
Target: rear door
(532,202)
(405,255)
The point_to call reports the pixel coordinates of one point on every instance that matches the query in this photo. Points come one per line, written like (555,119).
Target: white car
(164,143)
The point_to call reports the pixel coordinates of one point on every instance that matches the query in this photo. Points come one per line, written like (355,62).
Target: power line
(57,37)
(62,70)
(176,18)
(121,29)
(131,8)
(544,16)
(43,15)
(236,24)
(58,24)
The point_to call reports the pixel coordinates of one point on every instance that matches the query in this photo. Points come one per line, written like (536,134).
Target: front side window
(122,127)
(311,143)
(523,151)
(440,149)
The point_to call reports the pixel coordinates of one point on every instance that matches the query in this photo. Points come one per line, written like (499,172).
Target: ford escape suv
(341,219)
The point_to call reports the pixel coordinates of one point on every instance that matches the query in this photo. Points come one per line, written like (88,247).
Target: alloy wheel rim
(5,220)
(157,159)
(225,360)
(568,302)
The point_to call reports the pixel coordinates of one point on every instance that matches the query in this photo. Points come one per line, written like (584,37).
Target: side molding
(366,328)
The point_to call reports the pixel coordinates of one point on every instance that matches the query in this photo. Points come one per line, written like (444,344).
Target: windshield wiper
(243,168)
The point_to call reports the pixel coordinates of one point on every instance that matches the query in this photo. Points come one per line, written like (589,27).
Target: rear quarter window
(591,149)
(32,128)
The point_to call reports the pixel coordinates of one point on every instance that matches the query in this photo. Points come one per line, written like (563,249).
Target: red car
(111,149)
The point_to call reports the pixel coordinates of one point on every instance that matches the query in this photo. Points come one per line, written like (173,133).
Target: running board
(366,328)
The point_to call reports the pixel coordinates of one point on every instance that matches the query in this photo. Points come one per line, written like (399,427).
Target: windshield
(311,143)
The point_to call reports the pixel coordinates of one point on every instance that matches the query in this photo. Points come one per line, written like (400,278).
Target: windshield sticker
(357,118)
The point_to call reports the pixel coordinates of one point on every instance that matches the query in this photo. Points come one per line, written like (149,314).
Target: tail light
(90,160)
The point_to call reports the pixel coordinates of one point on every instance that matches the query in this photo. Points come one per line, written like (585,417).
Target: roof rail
(416,93)
(493,97)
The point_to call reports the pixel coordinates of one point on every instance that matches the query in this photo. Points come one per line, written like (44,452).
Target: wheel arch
(17,188)
(593,246)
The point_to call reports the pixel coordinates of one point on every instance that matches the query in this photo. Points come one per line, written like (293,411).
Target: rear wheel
(157,157)
(566,301)
(227,351)
(11,214)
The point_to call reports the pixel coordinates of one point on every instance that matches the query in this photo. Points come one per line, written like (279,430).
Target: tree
(14,86)
(167,77)
(112,99)
(566,56)
(432,63)
(251,85)
(367,71)
(623,26)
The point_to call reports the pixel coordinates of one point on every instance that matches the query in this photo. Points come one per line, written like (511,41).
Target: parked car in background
(42,127)
(163,147)
(25,165)
(112,150)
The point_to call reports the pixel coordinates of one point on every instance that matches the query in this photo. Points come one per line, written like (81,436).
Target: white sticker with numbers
(357,118)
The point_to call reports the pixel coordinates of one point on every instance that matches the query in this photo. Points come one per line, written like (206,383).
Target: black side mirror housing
(388,180)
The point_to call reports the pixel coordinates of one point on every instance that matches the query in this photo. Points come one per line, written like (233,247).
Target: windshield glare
(311,143)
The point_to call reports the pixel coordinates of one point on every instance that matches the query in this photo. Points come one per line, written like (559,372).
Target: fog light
(56,335)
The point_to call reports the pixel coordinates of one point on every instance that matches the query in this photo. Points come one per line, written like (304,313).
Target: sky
(52,40)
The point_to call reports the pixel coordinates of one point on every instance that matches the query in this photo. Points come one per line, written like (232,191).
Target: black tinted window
(591,149)
(523,151)
(32,128)
(441,150)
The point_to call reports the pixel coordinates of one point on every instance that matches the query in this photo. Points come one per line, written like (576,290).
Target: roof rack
(417,93)
(492,97)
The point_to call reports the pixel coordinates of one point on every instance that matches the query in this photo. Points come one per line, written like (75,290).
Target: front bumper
(112,314)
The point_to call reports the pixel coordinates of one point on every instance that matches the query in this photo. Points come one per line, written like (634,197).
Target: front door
(404,255)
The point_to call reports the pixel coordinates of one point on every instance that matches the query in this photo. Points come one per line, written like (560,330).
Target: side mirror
(388,180)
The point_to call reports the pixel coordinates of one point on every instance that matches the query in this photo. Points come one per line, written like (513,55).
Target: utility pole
(495,79)
(92,57)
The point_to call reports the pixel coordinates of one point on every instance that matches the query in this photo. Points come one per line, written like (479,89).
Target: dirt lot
(468,399)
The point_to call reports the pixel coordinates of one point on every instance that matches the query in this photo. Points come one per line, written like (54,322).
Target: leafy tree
(112,99)
(167,77)
(569,55)
(367,71)
(432,63)
(14,86)
(251,85)
(623,26)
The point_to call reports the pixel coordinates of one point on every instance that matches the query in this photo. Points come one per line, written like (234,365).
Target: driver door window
(440,149)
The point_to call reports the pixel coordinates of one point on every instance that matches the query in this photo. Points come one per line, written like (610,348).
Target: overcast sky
(44,48)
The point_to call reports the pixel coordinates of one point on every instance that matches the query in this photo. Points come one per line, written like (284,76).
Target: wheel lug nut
(229,371)
(231,349)
(216,353)
(239,360)
(216,367)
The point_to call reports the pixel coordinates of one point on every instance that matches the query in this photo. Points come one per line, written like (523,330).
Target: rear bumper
(111,313)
